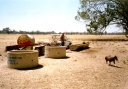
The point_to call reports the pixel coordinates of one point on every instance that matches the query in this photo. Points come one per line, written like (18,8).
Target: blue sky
(42,15)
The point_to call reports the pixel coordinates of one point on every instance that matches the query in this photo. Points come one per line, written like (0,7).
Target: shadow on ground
(33,68)
(81,49)
(61,58)
(115,66)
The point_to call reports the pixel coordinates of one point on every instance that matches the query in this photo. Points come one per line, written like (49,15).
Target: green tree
(102,13)
(6,30)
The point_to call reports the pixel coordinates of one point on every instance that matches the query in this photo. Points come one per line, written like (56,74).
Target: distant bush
(7,30)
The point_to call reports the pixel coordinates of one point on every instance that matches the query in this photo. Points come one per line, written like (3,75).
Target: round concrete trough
(22,59)
(55,51)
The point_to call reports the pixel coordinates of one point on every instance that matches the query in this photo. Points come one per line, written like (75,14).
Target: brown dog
(111,59)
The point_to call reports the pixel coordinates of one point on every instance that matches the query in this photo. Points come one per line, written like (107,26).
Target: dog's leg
(109,63)
(114,63)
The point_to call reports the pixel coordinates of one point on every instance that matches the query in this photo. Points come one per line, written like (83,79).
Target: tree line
(7,30)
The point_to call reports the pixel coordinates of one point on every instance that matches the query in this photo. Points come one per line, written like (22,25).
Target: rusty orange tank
(25,40)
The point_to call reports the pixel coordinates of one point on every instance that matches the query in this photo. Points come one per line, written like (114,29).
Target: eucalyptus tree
(6,30)
(101,13)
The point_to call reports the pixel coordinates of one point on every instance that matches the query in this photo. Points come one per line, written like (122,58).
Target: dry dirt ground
(85,69)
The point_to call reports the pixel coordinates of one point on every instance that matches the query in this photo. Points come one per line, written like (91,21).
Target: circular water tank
(55,51)
(22,59)
(25,40)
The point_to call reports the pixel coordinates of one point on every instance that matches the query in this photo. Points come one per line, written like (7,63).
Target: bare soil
(85,69)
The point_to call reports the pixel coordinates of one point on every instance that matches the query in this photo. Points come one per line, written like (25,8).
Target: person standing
(62,39)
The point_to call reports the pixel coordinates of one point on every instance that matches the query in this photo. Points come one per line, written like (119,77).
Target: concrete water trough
(22,58)
(55,51)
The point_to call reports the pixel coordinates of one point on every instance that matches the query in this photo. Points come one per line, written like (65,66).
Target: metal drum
(25,40)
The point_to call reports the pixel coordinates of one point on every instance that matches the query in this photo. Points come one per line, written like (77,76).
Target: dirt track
(84,69)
